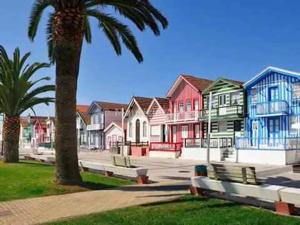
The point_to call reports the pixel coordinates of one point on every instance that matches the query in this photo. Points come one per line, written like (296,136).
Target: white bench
(283,197)
(138,173)
(41,158)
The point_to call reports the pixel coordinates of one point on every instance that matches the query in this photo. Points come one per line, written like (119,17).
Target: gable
(270,78)
(94,108)
(268,71)
(223,85)
(183,91)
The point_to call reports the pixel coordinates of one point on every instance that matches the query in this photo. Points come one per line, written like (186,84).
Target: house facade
(82,121)
(185,106)
(114,134)
(101,116)
(273,118)
(137,132)
(43,131)
(159,143)
(227,111)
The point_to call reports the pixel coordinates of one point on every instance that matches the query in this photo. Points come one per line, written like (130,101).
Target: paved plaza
(51,208)
(171,180)
(168,170)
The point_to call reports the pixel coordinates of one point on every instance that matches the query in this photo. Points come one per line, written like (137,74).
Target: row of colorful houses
(253,122)
(37,131)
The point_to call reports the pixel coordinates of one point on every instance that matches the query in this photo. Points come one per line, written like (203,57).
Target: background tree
(18,93)
(68,25)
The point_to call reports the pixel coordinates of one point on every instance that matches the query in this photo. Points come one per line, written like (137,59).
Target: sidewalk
(46,209)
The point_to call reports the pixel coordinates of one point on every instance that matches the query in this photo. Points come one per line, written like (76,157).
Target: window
(174,107)
(254,96)
(197,131)
(188,105)
(222,100)
(181,107)
(130,130)
(185,131)
(206,101)
(294,124)
(235,98)
(145,129)
(196,104)
(237,125)
(222,126)
(296,91)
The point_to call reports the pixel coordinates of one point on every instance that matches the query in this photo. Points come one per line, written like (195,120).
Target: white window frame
(145,127)
(181,107)
(130,129)
(188,105)
(184,131)
(253,96)
(296,90)
(235,97)
(196,104)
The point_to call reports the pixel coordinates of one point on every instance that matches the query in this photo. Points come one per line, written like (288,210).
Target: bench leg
(143,180)
(196,191)
(108,173)
(283,208)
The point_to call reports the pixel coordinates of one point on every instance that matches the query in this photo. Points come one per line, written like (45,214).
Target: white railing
(183,116)
(273,107)
(99,126)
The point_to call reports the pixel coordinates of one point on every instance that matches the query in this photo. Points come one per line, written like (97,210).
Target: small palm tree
(18,93)
(68,25)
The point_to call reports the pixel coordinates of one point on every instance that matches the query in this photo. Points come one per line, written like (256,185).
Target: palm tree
(68,25)
(18,93)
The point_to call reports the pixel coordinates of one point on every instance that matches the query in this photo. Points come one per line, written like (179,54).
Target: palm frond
(17,91)
(115,30)
(36,14)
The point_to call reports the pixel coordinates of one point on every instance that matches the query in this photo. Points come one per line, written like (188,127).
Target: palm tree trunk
(11,135)
(67,69)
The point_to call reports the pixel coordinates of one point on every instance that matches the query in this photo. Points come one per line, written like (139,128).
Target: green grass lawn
(186,211)
(30,179)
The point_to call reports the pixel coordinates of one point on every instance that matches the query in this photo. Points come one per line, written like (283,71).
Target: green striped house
(227,112)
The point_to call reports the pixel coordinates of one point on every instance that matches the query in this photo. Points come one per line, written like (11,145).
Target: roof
(197,83)
(111,106)
(83,111)
(235,83)
(162,102)
(143,102)
(35,119)
(116,124)
(268,70)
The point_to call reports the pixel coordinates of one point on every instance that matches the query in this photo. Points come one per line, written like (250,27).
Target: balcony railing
(165,146)
(288,143)
(270,108)
(235,110)
(183,116)
(202,142)
(92,127)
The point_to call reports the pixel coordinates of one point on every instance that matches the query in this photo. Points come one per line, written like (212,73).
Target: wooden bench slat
(241,174)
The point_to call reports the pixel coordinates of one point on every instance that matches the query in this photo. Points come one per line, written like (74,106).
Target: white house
(113,134)
(138,131)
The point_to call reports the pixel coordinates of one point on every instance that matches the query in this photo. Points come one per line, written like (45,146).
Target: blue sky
(232,38)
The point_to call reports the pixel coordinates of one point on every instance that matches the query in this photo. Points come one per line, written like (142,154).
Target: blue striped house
(273,111)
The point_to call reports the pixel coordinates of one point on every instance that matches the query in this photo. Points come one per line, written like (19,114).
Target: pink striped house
(178,121)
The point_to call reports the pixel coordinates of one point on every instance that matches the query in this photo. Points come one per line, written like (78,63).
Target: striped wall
(156,115)
(285,84)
